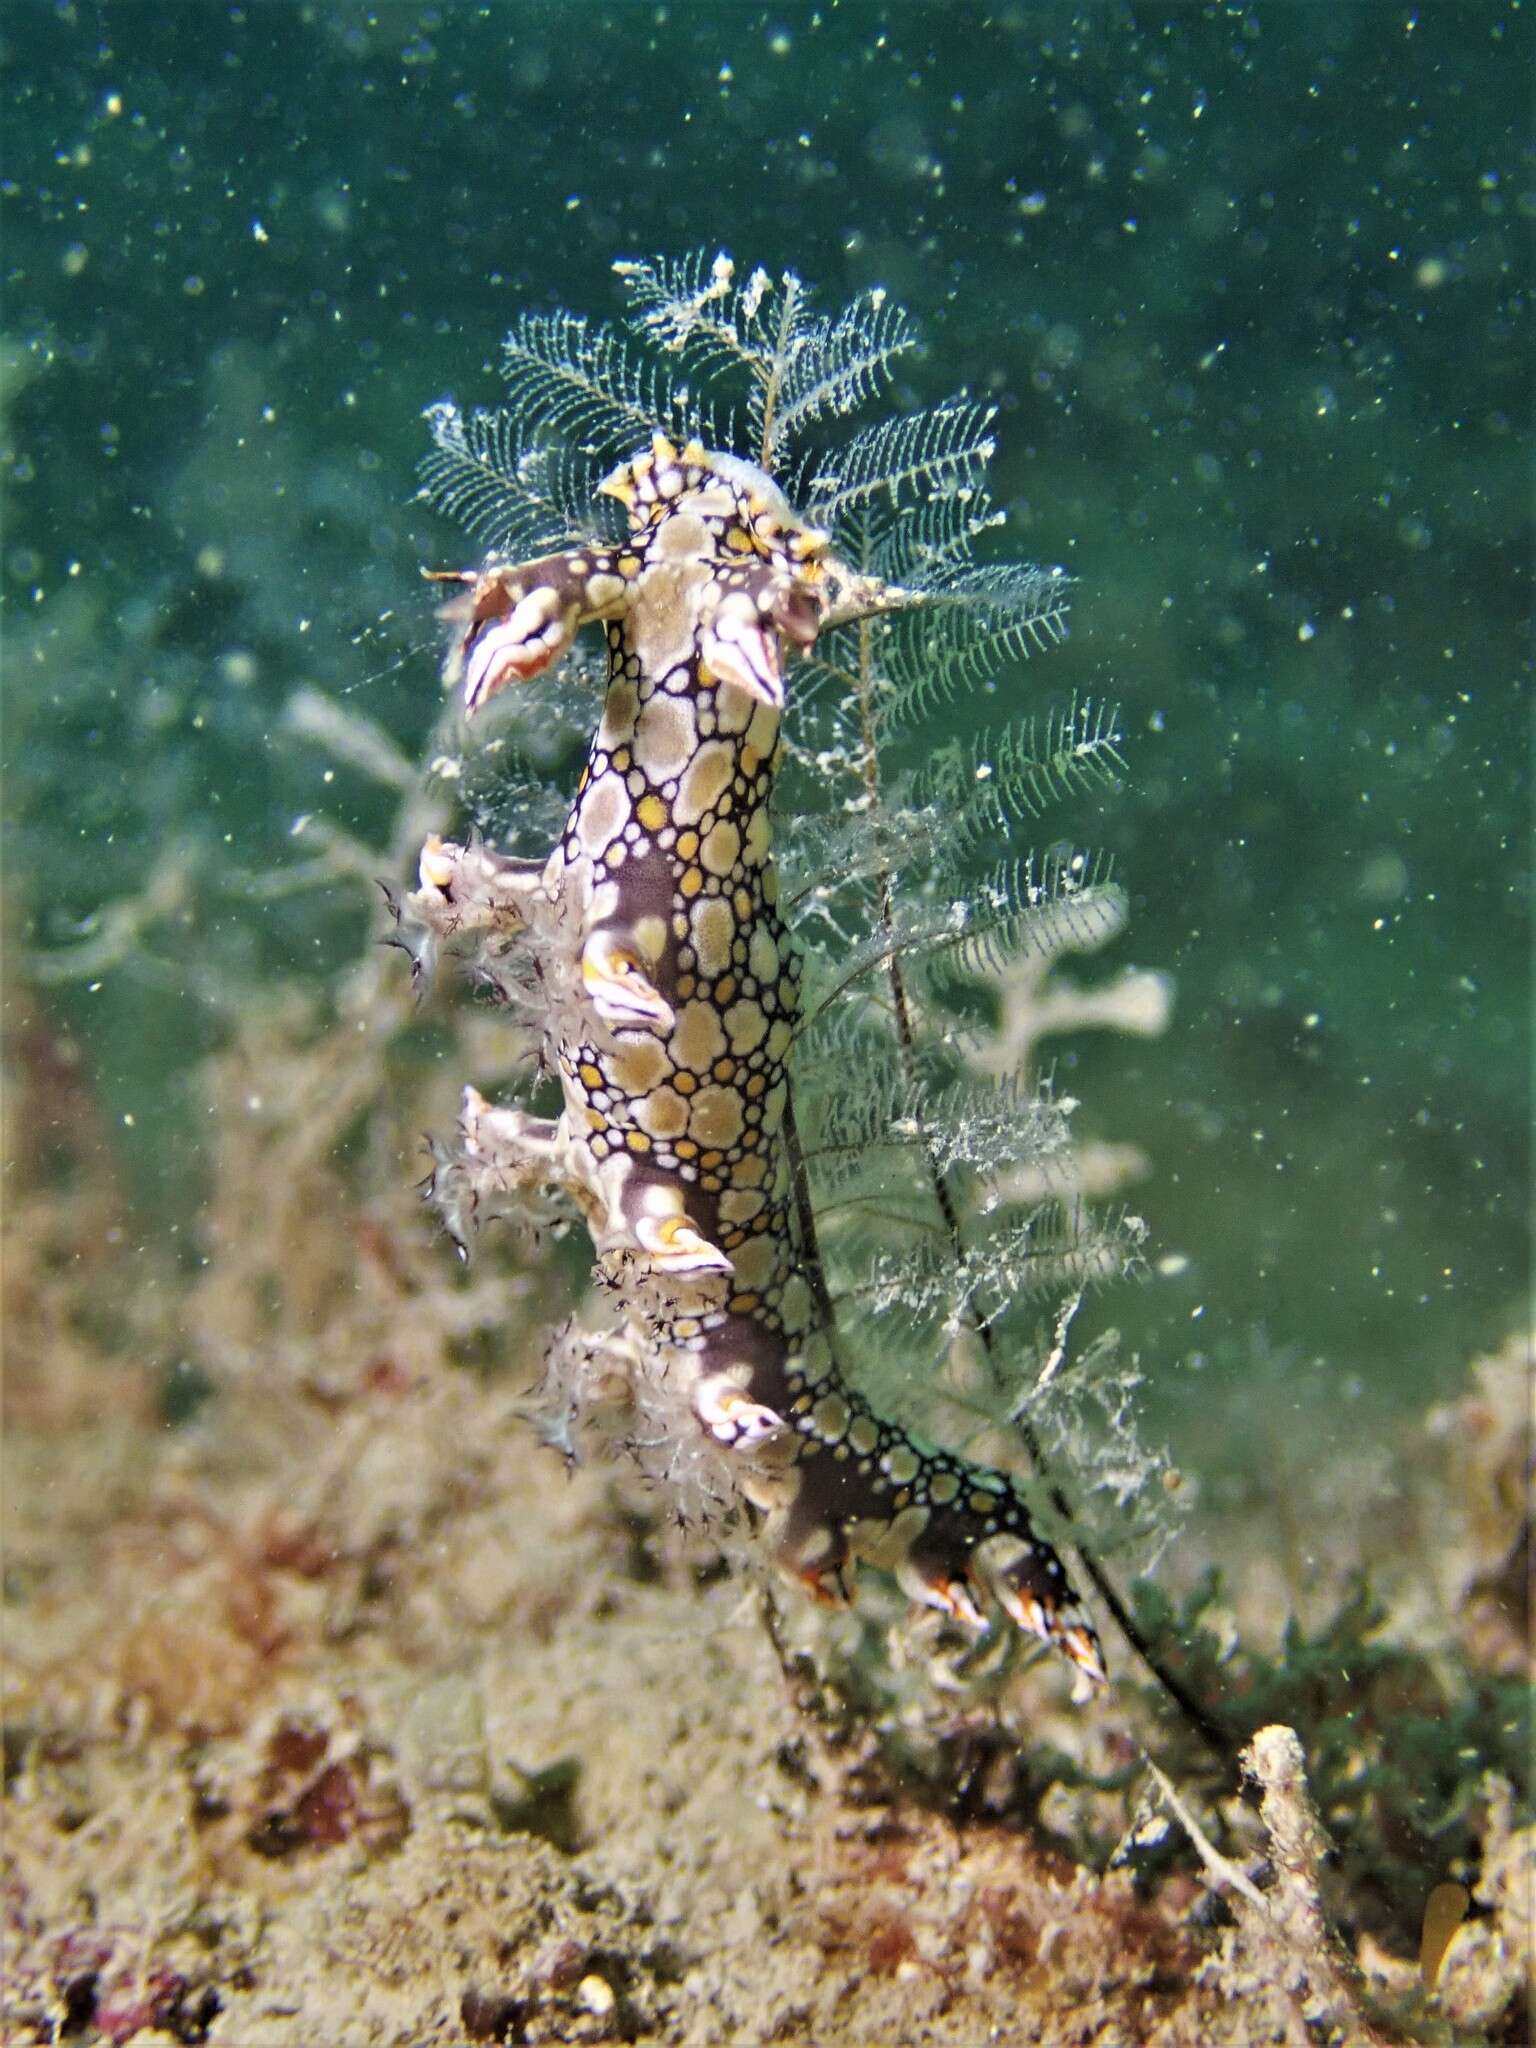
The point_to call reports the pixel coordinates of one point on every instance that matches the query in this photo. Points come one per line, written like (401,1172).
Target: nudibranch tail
(672,992)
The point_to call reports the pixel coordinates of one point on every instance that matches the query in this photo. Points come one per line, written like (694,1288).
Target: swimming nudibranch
(673,994)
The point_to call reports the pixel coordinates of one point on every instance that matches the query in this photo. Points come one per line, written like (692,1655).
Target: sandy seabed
(338,1711)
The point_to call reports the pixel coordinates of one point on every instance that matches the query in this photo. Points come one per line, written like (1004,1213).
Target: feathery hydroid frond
(966,632)
(1015,772)
(579,379)
(1052,1249)
(799,367)
(917,454)
(1045,904)
(519,499)
(836,366)
(982,1128)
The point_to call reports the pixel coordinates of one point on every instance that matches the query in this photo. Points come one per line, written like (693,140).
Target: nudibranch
(672,993)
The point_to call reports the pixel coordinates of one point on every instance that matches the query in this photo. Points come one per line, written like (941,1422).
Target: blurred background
(1249,286)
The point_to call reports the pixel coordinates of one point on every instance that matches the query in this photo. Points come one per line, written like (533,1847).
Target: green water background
(1249,285)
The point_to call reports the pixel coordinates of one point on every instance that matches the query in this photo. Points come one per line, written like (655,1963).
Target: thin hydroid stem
(1209,1730)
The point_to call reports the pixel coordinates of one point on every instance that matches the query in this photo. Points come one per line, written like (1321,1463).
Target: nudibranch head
(657,480)
(755,571)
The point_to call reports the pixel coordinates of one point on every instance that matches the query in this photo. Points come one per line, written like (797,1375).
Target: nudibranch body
(672,993)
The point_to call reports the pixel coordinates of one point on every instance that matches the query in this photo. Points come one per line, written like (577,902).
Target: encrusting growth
(651,947)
